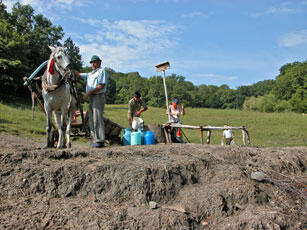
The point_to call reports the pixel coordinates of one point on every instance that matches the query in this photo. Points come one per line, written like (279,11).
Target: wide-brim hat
(95,58)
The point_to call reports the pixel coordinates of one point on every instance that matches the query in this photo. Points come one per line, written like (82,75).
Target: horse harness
(51,88)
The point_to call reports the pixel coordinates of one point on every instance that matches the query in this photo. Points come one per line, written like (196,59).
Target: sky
(212,42)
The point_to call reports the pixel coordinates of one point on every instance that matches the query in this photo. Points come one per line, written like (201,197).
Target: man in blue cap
(96,86)
(175,111)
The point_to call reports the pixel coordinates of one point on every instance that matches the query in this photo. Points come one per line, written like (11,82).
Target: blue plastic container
(127,137)
(149,138)
(143,131)
(136,138)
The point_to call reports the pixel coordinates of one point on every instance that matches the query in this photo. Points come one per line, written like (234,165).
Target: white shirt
(228,133)
(177,112)
(94,78)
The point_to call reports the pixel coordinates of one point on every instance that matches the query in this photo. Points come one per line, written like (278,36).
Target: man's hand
(138,113)
(77,73)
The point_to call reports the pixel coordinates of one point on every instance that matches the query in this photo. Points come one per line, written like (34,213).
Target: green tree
(254,103)
(13,57)
(291,85)
(73,52)
(111,89)
(24,40)
(269,102)
(155,95)
(283,106)
(123,96)
(3,12)
(262,87)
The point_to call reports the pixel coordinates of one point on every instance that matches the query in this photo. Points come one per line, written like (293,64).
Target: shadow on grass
(16,102)
(11,132)
(3,121)
(108,108)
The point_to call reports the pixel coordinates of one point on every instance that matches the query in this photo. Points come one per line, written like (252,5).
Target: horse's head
(59,60)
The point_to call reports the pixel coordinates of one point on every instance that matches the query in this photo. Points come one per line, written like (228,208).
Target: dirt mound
(193,187)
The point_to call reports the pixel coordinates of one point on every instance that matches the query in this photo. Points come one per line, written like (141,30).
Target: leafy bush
(283,106)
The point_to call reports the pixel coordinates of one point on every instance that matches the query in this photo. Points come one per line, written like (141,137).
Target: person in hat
(96,86)
(136,106)
(175,111)
(228,137)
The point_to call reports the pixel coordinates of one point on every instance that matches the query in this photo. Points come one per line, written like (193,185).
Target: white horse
(58,97)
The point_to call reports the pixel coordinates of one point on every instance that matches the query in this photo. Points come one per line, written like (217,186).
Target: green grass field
(265,129)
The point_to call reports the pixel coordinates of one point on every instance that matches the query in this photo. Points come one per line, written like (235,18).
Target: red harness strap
(51,67)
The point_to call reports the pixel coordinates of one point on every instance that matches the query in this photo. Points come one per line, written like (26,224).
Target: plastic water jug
(149,138)
(136,138)
(143,131)
(127,137)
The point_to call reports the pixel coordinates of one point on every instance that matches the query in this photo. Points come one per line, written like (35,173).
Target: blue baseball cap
(175,101)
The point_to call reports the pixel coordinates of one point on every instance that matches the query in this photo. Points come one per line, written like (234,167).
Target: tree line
(24,40)
(287,93)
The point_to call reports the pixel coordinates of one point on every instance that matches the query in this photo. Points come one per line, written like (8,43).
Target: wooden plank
(176,125)
(209,129)
(201,136)
(247,135)
(208,136)
(243,136)
(166,134)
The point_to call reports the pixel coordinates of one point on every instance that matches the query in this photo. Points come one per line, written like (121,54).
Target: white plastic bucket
(137,123)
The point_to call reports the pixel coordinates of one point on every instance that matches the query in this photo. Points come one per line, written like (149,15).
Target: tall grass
(265,129)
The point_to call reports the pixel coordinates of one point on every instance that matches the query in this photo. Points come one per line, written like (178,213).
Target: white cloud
(211,78)
(128,45)
(158,1)
(44,6)
(90,21)
(216,77)
(194,14)
(293,39)
(275,10)
(9,4)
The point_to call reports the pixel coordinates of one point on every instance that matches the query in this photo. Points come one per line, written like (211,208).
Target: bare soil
(194,186)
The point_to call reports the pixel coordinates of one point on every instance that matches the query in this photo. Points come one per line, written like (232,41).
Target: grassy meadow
(265,129)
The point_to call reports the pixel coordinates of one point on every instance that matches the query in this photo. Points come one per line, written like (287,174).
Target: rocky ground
(177,186)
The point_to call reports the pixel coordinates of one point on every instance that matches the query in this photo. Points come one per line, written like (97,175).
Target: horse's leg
(64,126)
(60,128)
(48,128)
(68,126)
(71,111)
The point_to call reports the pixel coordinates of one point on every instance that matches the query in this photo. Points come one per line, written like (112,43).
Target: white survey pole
(163,67)
(166,96)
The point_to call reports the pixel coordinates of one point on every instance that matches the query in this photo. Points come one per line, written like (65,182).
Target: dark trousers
(228,141)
